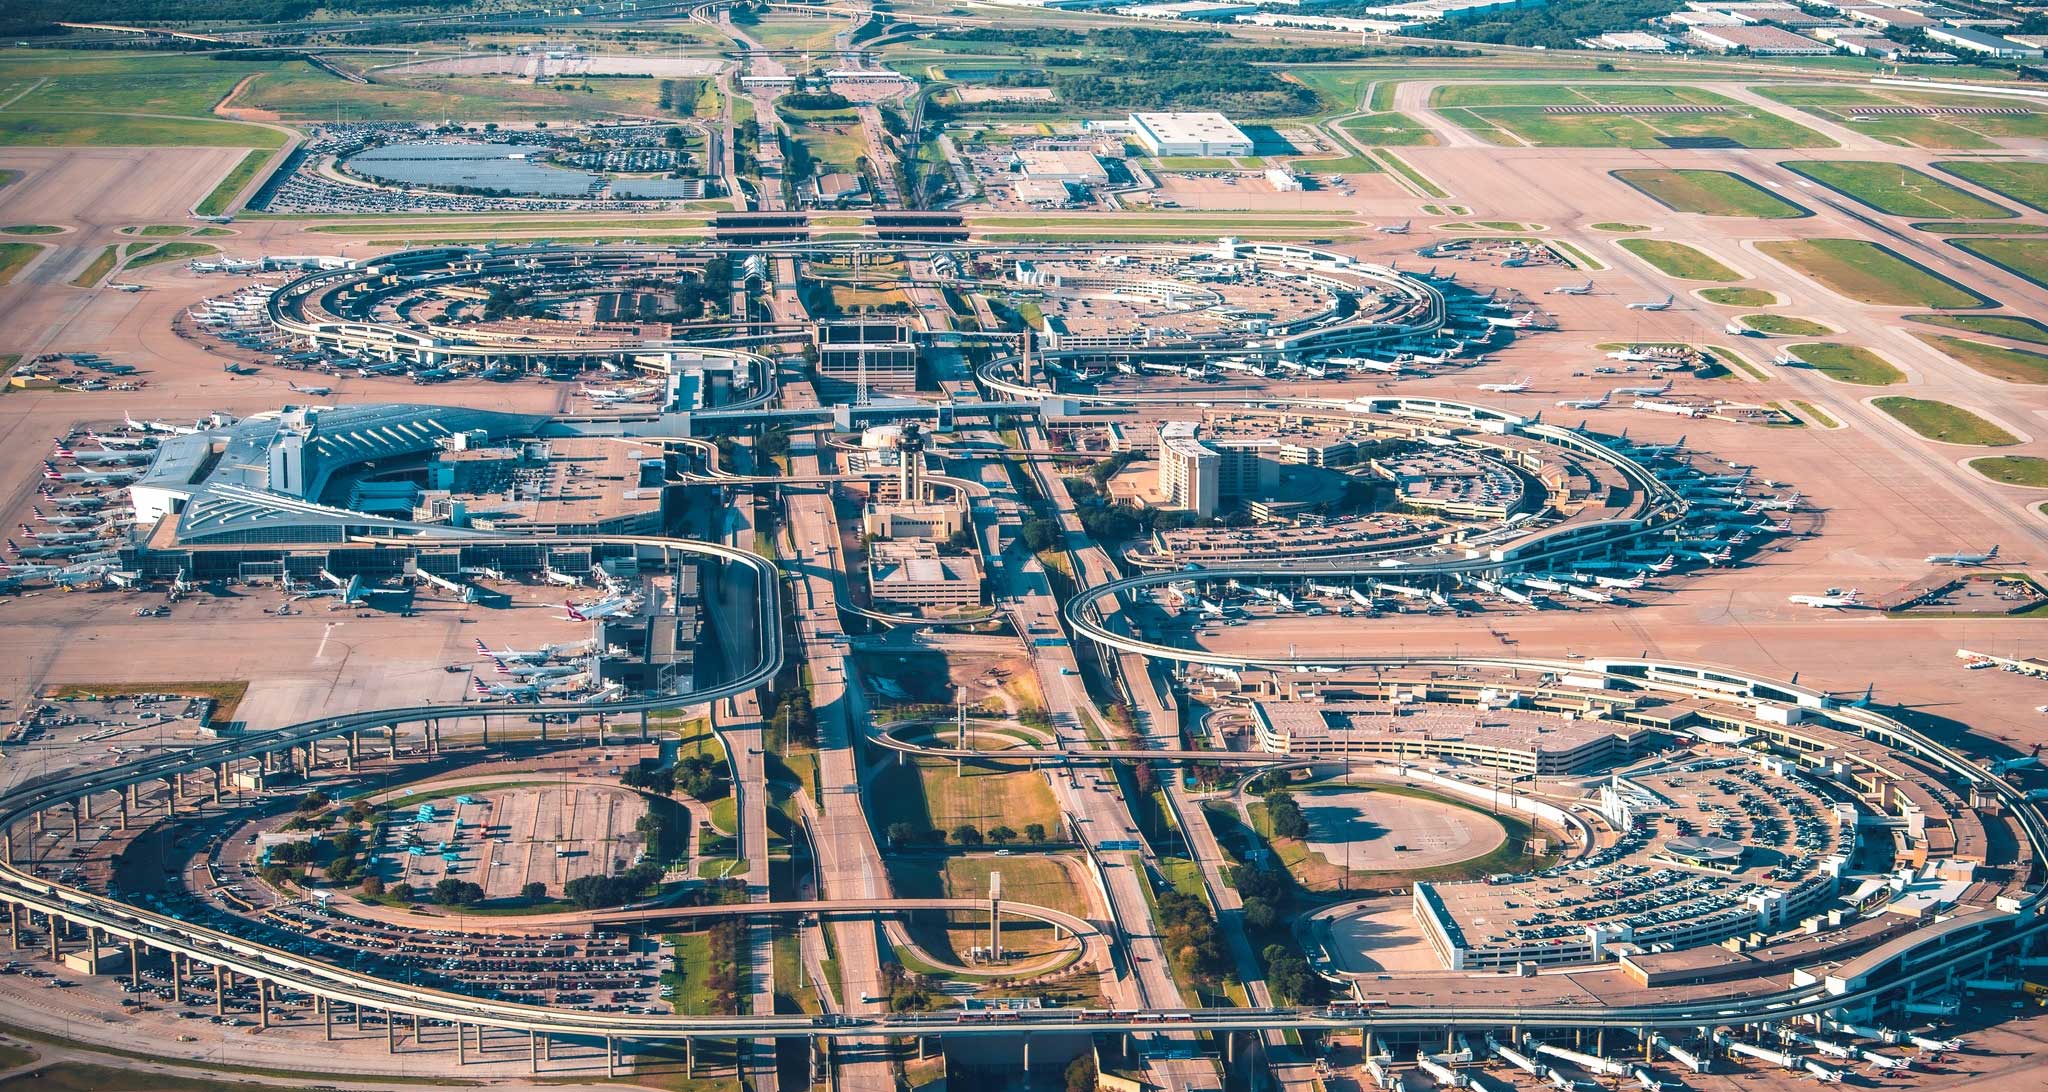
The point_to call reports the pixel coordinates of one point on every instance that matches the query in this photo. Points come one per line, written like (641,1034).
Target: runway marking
(324,635)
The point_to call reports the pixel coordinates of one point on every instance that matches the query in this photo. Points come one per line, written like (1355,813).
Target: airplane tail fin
(574,614)
(480,648)
(1993,551)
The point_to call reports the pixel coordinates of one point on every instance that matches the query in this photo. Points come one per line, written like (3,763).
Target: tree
(1034,832)
(313,801)
(1285,817)
(1002,835)
(373,887)
(1259,915)
(453,892)
(903,834)
(535,892)
(1081,1076)
(1040,534)
(966,835)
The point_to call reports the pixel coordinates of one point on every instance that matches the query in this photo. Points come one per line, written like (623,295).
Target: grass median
(1869,273)
(1679,260)
(1945,423)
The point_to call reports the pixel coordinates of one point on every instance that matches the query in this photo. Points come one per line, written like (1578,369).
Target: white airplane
(603,608)
(65,521)
(538,671)
(119,441)
(1838,600)
(85,502)
(317,392)
(1517,387)
(1775,504)
(1655,305)
(57,538)
(70,578)
(1629,584)
(37,553)
(1585,289)
(158,426)
(1582,403)
(101,458)
(1962,559)
(87,477)
(523,692)
(1394,229)
(513,655)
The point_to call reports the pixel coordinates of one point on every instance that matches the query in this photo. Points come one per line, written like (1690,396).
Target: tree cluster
(600,892)
(1284,816)
(1189,932)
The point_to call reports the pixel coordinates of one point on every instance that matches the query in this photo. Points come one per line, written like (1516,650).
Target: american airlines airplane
(523,692)
(102,457)
(65,521)
(1582,403)
(1962,559)
(87,477)
(513,655)
(317,392)
(538,671)
(1585,289)
(1517,387)
(1655,305)
(1394,229)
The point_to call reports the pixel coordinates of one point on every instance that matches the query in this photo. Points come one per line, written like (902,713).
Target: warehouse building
(1208,134)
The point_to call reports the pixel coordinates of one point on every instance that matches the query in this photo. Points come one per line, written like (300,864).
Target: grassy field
(295,90)
(2011,327)
(1029,878)
(2026,470)
(1510,114)
(2023,257)
(13,256)
(2023,180)
(172,252)
(53,129)
(155,230)
(1710,193)
(1739,297)
(1946,423)
(100,267)
(1869,273)
(1979,227)
(1619,228)
(691,973)
(927,794)
(1415,178)
(223,195)
(1996,361)
(1815,414)
(1388,128)
(1786,326)
(795,32)
(1839,103)
(85,1077)
(1898,190)
(1679,260)
(30,229)
(1848,363)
